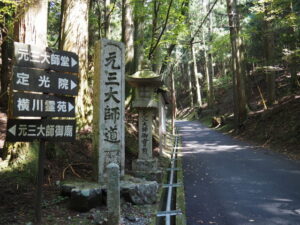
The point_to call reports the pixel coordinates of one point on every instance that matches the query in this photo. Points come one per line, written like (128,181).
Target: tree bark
(187,71)
(139,18)
(32,25)
(30,28)
(107,12)
(74,38)
(198,86)
(127,34)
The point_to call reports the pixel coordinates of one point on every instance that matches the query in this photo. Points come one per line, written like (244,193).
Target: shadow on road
(228,182)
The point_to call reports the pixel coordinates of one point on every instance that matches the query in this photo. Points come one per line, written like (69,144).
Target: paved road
(228,182)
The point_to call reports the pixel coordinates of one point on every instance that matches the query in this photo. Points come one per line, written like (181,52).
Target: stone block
(84,199)
(113,194)
(85,196)
(156,175)
(144,165)
(140,193)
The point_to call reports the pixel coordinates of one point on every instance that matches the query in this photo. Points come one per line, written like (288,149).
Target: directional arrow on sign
(28,79)
(17,126)
(39,58)
(13,130)
(71,107)
(73,85)
(73,62)
(37,105)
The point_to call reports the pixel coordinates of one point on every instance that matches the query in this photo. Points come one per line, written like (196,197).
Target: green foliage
(283,20)
(176,27)
(224,81)
(54,23)
(220,47)
(7,10)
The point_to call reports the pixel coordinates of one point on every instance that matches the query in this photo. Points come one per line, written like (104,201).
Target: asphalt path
(228,182)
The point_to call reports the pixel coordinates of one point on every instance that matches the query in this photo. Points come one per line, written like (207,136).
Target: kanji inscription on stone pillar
(145,134)
(109,89)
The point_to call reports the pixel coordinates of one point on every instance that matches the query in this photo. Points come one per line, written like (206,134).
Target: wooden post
(39,185)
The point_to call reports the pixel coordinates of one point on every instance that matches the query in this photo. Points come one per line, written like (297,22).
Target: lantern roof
(144,78)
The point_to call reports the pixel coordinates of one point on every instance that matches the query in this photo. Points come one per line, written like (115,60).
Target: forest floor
(276,128)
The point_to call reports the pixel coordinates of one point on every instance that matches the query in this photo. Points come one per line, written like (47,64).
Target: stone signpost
(109,110)
(146,102)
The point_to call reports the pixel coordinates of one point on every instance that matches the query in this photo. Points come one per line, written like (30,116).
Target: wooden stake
(262,98)
(40,178)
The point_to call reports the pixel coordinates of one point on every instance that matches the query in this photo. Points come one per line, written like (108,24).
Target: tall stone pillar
(109,109)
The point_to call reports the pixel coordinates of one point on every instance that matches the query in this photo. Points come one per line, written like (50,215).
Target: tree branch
(203,21)
(162,31)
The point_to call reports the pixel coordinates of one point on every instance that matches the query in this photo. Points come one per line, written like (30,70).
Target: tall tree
(207,71)
(128,34)
(239,96)
(196,76)
(74,38)
(210,89)
(292,55)
(107,13)
(27,29)
(269,55)
(187,72)
(139,19)
(31,27)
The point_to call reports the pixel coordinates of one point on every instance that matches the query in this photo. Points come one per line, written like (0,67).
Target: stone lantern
(146,83)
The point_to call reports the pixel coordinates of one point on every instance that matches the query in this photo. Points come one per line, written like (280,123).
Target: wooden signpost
(27,79)
(48,130)
(46,73)
(41,105)
(35,57)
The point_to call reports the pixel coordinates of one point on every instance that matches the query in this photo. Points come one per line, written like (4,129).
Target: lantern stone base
(147,168)
(149,175)
(144,165)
